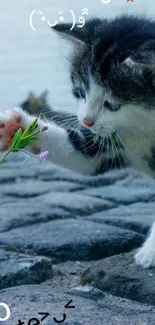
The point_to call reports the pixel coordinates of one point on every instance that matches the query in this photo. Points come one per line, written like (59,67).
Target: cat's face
(103,112)
(112,73)
(100,109)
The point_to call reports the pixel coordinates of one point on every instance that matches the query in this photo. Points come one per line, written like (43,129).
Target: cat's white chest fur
(138,135)
(138,150)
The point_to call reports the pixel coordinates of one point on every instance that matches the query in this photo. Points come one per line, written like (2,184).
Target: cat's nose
(88,123)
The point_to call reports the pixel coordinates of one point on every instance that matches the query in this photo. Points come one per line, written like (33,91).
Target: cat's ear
(43,96)
(77,35)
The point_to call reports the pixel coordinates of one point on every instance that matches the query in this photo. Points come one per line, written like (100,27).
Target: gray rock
(72,239)
(75,203)
(68,274)
(36,188)
(75,220)
(26,302)
(6,200)
(120,276)
(19,214)
(23,167)
(87,292)
(17,269)
(9,173)
(51,173)
(7,176)
(123,194)
(137,217)
(27,189)
(65,186)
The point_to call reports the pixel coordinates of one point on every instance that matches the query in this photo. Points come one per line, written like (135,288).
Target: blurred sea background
(38,60)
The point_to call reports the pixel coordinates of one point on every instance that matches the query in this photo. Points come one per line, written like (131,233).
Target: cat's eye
(79,93)
(83,94)
(111,107)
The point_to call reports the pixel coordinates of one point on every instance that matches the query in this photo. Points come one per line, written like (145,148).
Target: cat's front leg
(146,254)
(66,148)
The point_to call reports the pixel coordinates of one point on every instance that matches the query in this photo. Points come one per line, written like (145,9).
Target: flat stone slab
(36,188)
(68,274)
(75,203)
(137,217)
(26,302)
(123,194)
(17,269)
(10,174)
(120,276)
(19,214)
(53,173)
(71,239)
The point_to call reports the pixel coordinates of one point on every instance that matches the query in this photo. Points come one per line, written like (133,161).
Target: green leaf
(17,137)
(96,137)
(26,142)
(34,138)
(28,139)
(114,138)
(15,150)
(30,128)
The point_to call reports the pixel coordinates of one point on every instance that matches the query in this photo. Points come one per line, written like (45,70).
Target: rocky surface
(33,303)
(69,237)
(17,269)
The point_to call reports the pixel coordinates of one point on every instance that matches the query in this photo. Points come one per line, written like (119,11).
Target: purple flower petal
(43,156)
(44,128)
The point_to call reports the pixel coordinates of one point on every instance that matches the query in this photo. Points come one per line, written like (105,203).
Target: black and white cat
(113,77)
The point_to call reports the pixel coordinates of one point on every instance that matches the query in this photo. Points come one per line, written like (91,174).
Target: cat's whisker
(106,139)
(91,145)
(112,147)
(97,155)
(106,160)
(60,118)
(121,149)
(123,154)
(116,151)
(63,120)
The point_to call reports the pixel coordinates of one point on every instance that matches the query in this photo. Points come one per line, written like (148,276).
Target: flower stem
(36,132)
(6,154)
(28,153)
(30,135)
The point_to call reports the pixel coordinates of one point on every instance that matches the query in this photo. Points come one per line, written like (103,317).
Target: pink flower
(43,156)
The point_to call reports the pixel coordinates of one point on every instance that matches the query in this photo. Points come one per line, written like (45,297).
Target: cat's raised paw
(145,257)
(10,122)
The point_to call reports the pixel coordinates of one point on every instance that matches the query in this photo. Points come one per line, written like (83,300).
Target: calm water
(38,60)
